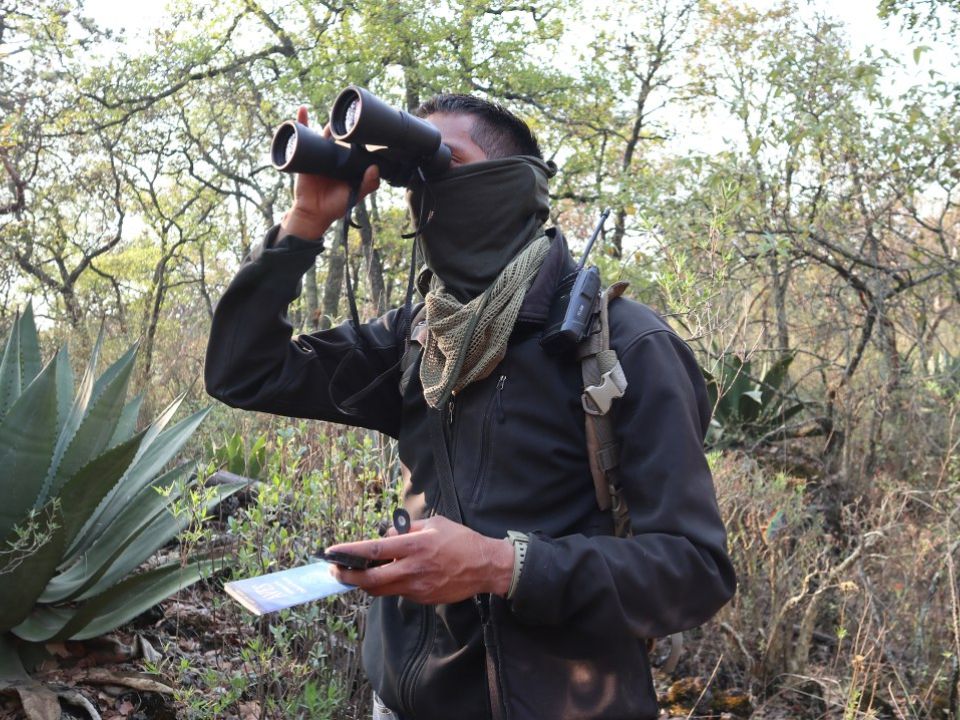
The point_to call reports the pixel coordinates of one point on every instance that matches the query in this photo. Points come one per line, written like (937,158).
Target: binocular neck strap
(344,237)
(348,405)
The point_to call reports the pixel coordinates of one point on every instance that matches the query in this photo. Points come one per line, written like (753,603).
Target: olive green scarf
(466,341)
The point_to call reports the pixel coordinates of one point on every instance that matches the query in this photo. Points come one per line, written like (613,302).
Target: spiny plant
(234,456)
(86,500)
(748,408)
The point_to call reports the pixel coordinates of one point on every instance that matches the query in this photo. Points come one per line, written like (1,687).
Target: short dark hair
(496,130)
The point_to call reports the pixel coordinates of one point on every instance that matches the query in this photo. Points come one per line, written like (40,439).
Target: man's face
(455,134)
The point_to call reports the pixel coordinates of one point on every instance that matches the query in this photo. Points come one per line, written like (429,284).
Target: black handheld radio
(572,305)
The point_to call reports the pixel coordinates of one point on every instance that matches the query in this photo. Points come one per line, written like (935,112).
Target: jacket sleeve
(254,362)
(674,572)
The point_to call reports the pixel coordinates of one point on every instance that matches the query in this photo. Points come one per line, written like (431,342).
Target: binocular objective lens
(291,148)
(351,115)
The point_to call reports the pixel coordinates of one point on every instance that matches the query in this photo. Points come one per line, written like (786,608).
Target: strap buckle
(597,399)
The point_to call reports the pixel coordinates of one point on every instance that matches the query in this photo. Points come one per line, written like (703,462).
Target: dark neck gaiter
(478,217)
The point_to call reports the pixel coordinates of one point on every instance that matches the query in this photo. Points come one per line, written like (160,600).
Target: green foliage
(316,488)
(769,176)
(82,509)
(746,408)
(234,457)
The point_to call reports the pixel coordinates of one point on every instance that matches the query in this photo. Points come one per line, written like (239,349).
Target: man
(551,621)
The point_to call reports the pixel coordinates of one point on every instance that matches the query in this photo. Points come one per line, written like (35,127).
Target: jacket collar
(556,265)
(536,303)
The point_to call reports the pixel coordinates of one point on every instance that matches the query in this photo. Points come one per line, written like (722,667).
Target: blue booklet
(286,588)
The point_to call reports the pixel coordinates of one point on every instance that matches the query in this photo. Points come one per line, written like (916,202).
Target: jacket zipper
(491,644)
(410,674)
(451,435)
(408,678)
(494,406)
(501,416)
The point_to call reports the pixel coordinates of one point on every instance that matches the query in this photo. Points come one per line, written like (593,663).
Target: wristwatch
(520,541)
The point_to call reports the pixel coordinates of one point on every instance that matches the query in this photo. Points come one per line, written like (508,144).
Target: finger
(387,548)
(326,131)
(371,181)
(377,580)
(302,115)
(415,526)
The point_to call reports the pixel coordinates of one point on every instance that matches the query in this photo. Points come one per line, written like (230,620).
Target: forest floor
(160,666)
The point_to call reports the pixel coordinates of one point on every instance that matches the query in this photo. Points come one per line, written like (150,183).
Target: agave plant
(86,498)
(234,456)
(747,407)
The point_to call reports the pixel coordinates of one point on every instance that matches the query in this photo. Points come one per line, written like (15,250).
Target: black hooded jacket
(571,642)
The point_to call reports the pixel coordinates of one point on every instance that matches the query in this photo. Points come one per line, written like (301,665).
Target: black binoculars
(366,132)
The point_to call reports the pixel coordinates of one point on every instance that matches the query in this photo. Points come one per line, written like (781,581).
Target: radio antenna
(596,231)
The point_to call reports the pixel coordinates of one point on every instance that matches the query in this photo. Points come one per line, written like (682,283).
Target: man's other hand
(318,201)
(438,561)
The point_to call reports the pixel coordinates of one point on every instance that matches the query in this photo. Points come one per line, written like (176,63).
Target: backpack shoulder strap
(603,383)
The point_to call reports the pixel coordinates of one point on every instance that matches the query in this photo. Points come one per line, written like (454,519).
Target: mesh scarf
(466,341)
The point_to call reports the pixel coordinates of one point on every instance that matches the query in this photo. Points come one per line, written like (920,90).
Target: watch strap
(520,542)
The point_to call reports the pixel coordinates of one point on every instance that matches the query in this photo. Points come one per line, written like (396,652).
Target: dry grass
(857,620)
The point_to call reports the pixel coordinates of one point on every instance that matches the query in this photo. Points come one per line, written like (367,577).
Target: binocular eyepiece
(366,132)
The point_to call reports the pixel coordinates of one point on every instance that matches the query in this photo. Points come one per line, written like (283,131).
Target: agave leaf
(64,374)
(96,428)
(72,418)
(10,369)
(160,531)
(774,377)
(786,415)
(23,582)
(96,524)
(124,601)
(749,405)
(162,528)
(109,375)
(161,422)
(237,459)
(43,623)
(83,492)
(730,369)
(29,347)
(257,458)
(90,567)
(127,425)
(27,436)
(145,467)
(10,666)
(736,380)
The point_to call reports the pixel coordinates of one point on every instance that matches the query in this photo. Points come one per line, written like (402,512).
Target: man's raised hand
(318,201)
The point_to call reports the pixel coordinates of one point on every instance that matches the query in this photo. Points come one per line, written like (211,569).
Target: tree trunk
(311,298)
(151,321)
(72,305)
(619,230)
(374,265)
(780,280)
(334,280)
